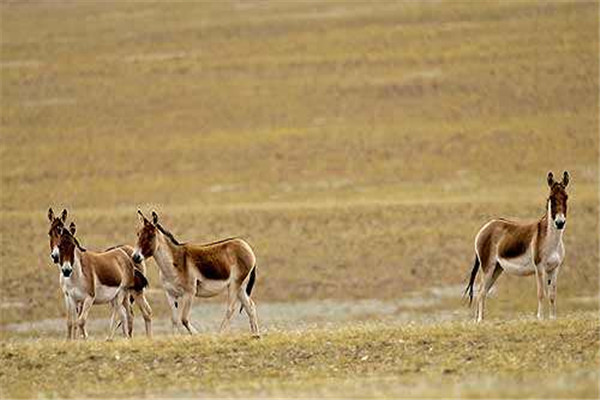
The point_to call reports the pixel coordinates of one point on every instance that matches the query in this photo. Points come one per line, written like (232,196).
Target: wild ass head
(146,242)
(557,200)
(66,247)
(56,226)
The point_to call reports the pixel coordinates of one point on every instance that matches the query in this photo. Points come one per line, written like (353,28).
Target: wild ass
(89,278)
(57,224)
(54,233)
(524,249)
(203,270)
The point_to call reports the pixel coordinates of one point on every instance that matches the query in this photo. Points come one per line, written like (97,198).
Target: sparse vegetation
(519,358)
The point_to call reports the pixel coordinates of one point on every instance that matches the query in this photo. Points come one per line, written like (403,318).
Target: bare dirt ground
(420,307)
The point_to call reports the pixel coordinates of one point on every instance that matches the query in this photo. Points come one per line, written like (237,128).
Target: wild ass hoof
(256,336)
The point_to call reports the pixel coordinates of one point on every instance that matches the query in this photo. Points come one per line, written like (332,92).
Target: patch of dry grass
(495,359)
(107,106)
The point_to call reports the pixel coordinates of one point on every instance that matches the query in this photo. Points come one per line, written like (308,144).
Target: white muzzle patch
(560,221)
(137,256)
(66,269)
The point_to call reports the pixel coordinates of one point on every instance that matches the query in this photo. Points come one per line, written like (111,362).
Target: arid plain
(358,147)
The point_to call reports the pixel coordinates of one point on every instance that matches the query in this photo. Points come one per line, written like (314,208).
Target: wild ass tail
(250,284)
(469,289)
(251,281)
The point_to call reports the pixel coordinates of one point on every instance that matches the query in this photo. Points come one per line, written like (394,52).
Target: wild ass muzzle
(89,278)
(204,270)
(524,249)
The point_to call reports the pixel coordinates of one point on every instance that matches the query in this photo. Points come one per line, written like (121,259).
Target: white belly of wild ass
(105,294)
(209,287)
(522,265)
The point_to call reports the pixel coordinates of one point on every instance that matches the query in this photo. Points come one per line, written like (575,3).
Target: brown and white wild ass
(57,224)
(204,270)
(524,249)
(89,278)
(54,234)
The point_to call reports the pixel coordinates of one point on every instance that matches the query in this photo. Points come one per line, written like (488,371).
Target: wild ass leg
(489,278)
(126,303)
(232,298)
(144,307)
(250,309)
(540,274)
(71,310)
(114,325)
(78,306)
(186,310)
(174,305)
(497,272)
(85,310)
(83,330)
(553,276)
(125,313)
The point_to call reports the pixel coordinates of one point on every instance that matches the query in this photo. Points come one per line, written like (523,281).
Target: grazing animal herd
(117,276)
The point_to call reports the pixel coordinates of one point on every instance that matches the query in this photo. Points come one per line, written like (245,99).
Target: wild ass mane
(173,240)
(168,234)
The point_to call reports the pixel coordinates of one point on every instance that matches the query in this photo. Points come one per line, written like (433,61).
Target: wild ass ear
(63,215)
(550,179)
(141,216)
(565,180)
(154,217)
(72,228)
(50,214)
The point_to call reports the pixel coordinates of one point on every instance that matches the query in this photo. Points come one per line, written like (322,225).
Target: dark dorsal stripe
(219,241)
(167,234)
(81,248)
(177,242)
